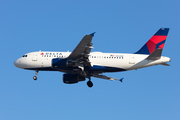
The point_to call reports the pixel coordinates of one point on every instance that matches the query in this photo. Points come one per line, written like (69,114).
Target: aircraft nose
(18,63)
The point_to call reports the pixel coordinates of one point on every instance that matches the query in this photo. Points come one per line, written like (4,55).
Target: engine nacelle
(72,78)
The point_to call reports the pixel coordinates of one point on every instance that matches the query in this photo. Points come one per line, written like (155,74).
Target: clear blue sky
(121,26)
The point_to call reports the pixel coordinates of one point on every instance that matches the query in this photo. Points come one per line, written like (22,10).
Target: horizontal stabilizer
(155,55)
(165,64)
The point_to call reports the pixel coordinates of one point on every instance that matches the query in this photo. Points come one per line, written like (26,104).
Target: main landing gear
(35,77)
(89,83)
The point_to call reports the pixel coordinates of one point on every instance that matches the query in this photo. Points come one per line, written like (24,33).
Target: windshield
(24,56)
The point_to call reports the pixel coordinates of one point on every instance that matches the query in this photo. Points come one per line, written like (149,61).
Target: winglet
(165,64)
(121,79)
(92,34)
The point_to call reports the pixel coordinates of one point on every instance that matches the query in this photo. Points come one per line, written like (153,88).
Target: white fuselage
(42,60)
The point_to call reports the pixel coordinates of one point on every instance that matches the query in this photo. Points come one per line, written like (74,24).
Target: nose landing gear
(35,77)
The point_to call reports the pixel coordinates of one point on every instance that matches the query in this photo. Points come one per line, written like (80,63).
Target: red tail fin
(156,41)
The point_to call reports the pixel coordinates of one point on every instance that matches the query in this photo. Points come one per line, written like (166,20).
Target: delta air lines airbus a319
(81,63)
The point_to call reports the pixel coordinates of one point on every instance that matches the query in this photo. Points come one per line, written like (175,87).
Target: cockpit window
(24,56)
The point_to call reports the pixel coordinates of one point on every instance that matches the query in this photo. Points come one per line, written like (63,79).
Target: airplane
(81,63)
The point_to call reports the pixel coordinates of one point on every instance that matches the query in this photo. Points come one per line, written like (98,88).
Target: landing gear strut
(89,83)
(35,77)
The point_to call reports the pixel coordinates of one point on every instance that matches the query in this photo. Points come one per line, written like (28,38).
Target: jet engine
(72,78)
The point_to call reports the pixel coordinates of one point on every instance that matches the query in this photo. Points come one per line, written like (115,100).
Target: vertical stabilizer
(157,41)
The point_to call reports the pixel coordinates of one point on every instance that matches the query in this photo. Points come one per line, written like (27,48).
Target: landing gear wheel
(35,78)
(89,84)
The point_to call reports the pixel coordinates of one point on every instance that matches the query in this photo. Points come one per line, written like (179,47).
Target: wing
(105,77)
(81,53)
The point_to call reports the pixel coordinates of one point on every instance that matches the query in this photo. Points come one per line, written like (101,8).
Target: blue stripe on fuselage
(93,68)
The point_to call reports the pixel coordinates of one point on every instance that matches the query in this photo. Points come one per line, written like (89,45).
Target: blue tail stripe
(162,31)
(143,50)
(157,46)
